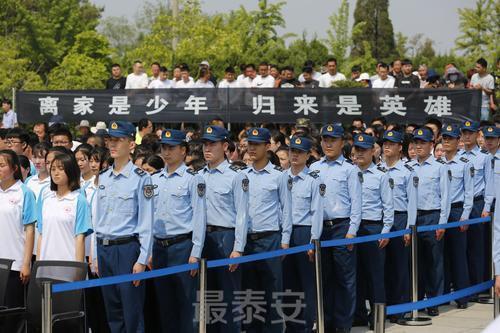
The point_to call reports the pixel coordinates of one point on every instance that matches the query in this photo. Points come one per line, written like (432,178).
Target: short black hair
(155,161)
(307,69)
(309,63)
(3,133)
(383,65)
(115,65)
(230,69)
(143,123)
(406,62)
(356,68)
(163,69)
(137,62)
(252,66)
(332,59)
(63,131)
(41,149)
(156,63)
(71,169)
(184,68)
(434,121)
(288,68)
(18,133)
(263,63)
(7,101)
(482,62)
(25,163)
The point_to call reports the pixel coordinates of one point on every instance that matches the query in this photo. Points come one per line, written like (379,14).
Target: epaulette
(440,161)
(313,174)
(277,167)
(381,168)
(191,171)
(484,151)
(463,159)
(236,167)
(409,167)
(103,171)
(349,161)
(140,172)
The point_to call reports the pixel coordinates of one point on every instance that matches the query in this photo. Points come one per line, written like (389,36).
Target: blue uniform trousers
(176,294)
(339,278)
(124,303)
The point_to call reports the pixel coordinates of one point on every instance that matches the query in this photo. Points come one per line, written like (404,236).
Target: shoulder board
(484,151)
(381,168)
(408,167)
(191,171)
(349,161)
(441,161)
(103,171)
(276,167)
(313,174)
(157,171)
(463,159)
(140,172)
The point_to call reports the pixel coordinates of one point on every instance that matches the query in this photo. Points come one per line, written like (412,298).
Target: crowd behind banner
(128,197)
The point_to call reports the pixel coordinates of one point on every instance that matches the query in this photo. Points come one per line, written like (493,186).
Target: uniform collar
(474,151)
(68,197)
(179,171)
(453,160)
(268,168)
(15,187)
(429,160)
(125,171)
(370,168)
(398,166)
(221,167)
(302,174)
(340,160)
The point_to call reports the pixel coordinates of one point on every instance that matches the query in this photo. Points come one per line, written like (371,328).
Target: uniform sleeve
(145,220)
(496,233)
(444,186)
(469,190)
(285,201)
(489,191)
(387,204)
(411,193)
(83,224)
(39,212)
(318,190)
(198,204)
(355,193)
(29,206)
(241,198)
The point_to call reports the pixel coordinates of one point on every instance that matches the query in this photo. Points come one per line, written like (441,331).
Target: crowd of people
(126,197)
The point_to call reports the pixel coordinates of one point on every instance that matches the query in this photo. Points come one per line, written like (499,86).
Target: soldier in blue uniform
(270,226)
(227,220)
(461,195)
(377,214)
(397,274)
(433,207)
(341,219)
(179,232)
(475,249)
(307,219)
(123,222)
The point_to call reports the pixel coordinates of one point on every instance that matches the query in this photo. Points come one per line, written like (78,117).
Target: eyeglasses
(12,142)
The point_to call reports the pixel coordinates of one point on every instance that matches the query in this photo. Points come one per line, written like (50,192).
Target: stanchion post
(46,307)
(414,319)
(490,298)
(379,326)
(320,324)
(496,305)
(203,296)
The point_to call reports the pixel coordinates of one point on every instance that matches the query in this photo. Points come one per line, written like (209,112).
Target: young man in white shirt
(485,82)
(229,79)
(384,80)
(162,82)
(250,76)
(155,71)
(326,80)
(9,116)
(263,80)
(186,81)
(138,79)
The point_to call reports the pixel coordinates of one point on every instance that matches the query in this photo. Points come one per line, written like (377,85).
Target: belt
(214,228)
(165,242)
(371,221)
(259,235)
(333,222)
(479,198)
(422,212)
(457,204)
(116,241)
(397,212)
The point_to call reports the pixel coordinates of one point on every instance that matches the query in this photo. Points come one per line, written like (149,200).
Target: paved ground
(451,320)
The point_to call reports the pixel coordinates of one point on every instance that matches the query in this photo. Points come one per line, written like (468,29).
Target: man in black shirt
(116,81)
(288,78)
(408,79)
(309,82)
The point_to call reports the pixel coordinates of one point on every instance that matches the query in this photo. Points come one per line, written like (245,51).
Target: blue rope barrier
(364,239)
(453,224)
(407,307)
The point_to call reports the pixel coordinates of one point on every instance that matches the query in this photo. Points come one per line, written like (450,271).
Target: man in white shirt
(384,80)
(9,116)
(155,71)
(326,80)
(138,79)
(485,82)
(263,80)
(204,79)
(186,81)
(315,75)
(250,76)
(162,82)
(229,79)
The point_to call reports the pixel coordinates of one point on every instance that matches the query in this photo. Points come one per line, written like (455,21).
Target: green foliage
(347,84)
(338,36)
(77,71)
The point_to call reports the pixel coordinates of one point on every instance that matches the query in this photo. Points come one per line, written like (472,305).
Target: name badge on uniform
(322,189)
(360,176)
(244,184)
(415,181)
(148,191)
(472,172)
(201,189)
(391,183)
(290,183)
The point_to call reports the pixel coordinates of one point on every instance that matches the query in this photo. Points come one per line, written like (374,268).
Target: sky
(436,19)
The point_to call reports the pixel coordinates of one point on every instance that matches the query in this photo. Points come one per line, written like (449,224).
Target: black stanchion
(320,323)
(47,307)
(203,296)
(414,319)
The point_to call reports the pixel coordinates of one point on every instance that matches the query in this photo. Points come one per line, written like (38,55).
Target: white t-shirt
(203,84)
(387,83)
(325,80)
(137,81)
(60,220)
(263,82)
(182,84)
(18,209)
(36,185)
(9,119)
(159,84)
(226,84)
(246,82)
(315,76)
(487,82)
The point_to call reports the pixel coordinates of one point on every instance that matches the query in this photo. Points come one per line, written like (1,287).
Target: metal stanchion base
(485,300)
(417,321)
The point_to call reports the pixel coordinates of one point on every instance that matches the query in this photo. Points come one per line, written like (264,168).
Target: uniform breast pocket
(302,200)
(432,184)
(269,193)
(125,203)
(180,198)
(339,185)
(223,197)
(372,187)
(478,172)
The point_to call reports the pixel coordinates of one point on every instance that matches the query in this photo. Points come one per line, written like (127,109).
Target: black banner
(250,105)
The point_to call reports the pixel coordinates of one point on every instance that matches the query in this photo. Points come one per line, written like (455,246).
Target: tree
(122,35)
(378,30)
(480,31)
(401,45)
(338,35)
